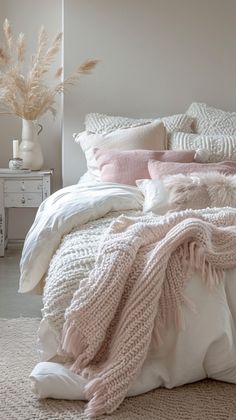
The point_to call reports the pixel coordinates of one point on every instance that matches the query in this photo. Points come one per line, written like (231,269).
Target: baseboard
(15,242)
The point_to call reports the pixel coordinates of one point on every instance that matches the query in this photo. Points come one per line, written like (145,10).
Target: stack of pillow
(213,129)
(166,157)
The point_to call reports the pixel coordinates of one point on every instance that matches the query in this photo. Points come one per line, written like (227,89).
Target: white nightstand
(20,189)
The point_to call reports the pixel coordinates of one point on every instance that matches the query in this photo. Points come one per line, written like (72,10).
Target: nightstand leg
(2,234)
(2,222)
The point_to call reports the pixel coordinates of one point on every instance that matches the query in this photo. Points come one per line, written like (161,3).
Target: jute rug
(207,400)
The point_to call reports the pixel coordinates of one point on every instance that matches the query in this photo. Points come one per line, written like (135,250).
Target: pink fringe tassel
(95,393)
(75,344)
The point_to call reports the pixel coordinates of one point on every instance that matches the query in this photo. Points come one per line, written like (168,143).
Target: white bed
(60,251)
(205,348)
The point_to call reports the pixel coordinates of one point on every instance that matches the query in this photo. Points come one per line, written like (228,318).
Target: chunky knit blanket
(135,289)
(71,263)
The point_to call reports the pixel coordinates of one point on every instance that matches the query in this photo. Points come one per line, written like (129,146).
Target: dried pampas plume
(27,95)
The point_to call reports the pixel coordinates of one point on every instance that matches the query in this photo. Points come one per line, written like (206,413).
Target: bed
(69,245)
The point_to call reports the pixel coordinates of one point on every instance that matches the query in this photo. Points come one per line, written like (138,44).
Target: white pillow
(54,380)
(87,177)
(212,121)
(219,147)
(155,195)
(101,123)
(152,136)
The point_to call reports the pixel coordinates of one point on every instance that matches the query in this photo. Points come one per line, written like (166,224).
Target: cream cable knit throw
(138,281)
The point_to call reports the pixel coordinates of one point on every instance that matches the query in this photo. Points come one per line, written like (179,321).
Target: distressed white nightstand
(20,189)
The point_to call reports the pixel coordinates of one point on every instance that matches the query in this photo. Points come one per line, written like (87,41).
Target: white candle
(15,149)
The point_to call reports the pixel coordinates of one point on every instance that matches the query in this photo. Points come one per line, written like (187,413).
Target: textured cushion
(158,169)
(219,147)
(125,167)
(201,190)
(195,191)
(212,121)
(100,123)
(151,137)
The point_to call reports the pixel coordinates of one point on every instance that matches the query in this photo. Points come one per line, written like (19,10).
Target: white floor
(12,303)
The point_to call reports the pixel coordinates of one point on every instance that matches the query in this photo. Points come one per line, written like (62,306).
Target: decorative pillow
(212,121)
(159,170)
(219,147)
(125,167)
(195,191)
(150,137)
(200,191)
(100,123)
(156,197)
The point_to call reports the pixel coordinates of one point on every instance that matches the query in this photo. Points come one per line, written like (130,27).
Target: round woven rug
(206,400)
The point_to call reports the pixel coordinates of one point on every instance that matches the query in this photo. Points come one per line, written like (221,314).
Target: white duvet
(60,213)
(205,348)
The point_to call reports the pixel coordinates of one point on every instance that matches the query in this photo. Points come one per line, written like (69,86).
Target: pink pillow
(126,166)
(158,170)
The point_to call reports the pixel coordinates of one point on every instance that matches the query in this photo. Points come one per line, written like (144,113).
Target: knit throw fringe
(136,289)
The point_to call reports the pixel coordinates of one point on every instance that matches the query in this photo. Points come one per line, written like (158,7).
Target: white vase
(30,149)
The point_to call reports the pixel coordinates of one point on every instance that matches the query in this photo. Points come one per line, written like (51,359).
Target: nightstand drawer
(27,185)
(20,189)
(22,199)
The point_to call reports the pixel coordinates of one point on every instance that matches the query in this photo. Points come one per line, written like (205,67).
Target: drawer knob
(23,200)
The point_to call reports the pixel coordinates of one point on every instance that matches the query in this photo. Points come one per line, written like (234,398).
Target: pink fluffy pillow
(158,169)
(126,166)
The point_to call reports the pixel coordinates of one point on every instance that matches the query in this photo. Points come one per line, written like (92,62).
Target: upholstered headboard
(157,56)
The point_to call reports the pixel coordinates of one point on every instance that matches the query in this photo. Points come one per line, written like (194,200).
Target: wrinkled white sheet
(60,213)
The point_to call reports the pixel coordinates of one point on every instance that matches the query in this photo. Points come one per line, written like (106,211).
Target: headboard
(157,56)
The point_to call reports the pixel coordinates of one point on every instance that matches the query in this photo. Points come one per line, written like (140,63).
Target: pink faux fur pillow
(200,190)
(126,166)
(196,191)
(158,170)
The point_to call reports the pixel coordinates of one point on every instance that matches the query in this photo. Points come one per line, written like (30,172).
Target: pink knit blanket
(135,289)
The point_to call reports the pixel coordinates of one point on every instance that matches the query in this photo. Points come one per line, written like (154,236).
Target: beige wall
(157,56)
(27,16)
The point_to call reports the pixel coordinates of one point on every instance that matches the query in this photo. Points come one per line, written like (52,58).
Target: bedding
(219,147)
(101,123)
(59,254)
(204,348)
(126,166)
(135,289)
(212,121)
(152,136)
(158,169)
(64,210)
(194,191)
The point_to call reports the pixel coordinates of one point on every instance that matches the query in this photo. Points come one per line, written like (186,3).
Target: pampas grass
(27,95)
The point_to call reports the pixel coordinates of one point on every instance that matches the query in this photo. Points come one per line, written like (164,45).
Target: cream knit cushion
(101,123)
(219,147)
(212,121)
(151,136)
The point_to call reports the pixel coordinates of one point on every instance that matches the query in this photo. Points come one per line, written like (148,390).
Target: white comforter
(207,346)
(60,213)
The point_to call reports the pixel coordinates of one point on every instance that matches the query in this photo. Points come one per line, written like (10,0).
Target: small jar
(15,164)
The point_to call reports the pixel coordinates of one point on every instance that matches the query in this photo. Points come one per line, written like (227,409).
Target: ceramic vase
(30,148)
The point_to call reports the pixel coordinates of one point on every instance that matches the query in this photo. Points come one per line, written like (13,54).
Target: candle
(15,149)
